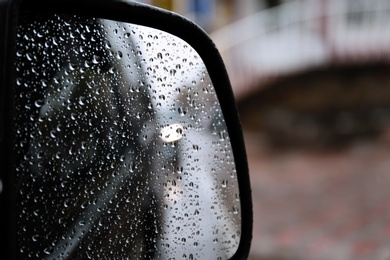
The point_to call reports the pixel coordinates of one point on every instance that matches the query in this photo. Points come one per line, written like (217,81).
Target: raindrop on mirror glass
(39,103)
(96,59)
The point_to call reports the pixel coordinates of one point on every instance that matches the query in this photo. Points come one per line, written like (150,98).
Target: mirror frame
(124,11)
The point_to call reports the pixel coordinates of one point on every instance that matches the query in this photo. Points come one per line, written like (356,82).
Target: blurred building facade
(213,14)
(280,38)
(264,39)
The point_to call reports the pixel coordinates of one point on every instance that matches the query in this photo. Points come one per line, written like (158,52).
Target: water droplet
(35,238)
(132,167)
(222,135)
(47,251)
(96,59)
(57,156)
(112,70)
(19,81)
(224,183)
(73,116)
(29,56)
(181,111)
(39,103)
(71,151)
(81,100)
(53,134)
(55,41)
(72,66)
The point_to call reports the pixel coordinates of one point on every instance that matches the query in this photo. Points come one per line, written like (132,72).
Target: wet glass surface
(121,146)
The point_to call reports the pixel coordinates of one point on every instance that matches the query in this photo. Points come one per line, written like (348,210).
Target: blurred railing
(299,35)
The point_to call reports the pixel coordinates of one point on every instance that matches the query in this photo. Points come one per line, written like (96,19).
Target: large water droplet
(96,59)
(29,56)
(39,103)
(81,100)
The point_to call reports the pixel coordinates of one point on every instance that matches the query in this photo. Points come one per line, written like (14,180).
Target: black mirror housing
(120,11)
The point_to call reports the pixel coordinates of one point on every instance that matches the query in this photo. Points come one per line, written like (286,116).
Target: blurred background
(312,83)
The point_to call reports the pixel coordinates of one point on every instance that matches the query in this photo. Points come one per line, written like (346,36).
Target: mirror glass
(121,147)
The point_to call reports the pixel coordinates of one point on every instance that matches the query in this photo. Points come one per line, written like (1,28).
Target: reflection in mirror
(121,146)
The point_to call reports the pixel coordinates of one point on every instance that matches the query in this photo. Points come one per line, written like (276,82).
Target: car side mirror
(119,136)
